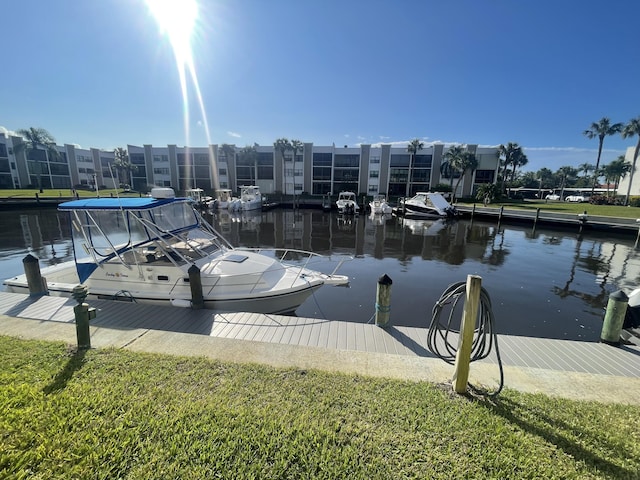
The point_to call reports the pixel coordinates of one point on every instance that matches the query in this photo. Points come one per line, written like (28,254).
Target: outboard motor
(632,317)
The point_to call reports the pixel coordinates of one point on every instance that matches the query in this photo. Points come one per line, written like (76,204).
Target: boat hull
(283,301)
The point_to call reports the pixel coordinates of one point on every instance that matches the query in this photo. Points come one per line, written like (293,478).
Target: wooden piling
(467,327)
(195,282)
(37,284)
(383,301)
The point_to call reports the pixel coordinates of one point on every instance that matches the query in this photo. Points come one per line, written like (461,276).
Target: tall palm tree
(296,146)
(601,129)
(629,130)
(616,170)
(451,157)
(413,148)
(461,160)
(506,155)
(123,166)
(32,139)
(282,145)
(519,160)
(565,173)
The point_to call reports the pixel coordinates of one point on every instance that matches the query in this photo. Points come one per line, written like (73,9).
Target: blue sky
(103,74)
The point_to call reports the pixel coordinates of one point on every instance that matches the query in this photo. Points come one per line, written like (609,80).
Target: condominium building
(315,170)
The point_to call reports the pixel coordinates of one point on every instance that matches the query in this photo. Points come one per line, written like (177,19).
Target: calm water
(542,283)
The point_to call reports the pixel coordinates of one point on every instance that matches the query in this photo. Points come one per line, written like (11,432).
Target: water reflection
(542,282)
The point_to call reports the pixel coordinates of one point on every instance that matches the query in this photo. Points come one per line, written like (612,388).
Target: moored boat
(426,204)
(347,203)
(379,205)
(143,249)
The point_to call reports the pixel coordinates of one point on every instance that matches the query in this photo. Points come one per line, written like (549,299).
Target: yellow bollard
(467,327)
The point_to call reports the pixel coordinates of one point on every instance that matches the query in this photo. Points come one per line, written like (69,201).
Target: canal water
(542,282)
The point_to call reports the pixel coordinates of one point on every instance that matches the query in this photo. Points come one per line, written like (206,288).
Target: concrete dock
(562,368)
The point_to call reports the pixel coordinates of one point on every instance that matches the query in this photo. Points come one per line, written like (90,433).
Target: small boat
(198,197)
(224,196)
(379,205)
(426,205)
(347,203)
(145,250)
(250,199)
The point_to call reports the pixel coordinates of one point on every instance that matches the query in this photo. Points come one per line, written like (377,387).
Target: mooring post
(83,313)
(582,217)
(637,236)
(535,222)
(467,327)
(195,282)
(37,284)
(614,318)
(473,210)
(500,214)
(383,301)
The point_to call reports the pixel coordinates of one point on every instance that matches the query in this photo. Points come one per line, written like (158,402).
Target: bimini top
(142,203)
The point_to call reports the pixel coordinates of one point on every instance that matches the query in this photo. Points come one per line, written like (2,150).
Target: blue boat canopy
(141,203)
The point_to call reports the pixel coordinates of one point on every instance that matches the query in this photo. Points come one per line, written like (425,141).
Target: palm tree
(519,160)
(461,160)
(586,168)
(282,145)
(601,129)
(543,175)
(249,156)
(616,170)
(32,139)
(629,130)
(413,148)
(506,155)
(565,173)
(123,166)
(227,151)
(450,157)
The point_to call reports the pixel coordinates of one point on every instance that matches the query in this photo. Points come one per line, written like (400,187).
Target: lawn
(566,207)
(61,192)
(118,414)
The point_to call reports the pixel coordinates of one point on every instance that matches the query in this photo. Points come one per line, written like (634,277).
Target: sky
(103,74)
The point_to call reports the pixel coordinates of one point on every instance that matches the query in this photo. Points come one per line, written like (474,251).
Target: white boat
(250,199)
(347,203)
(224,196)
(379,205)
(144,249)
(426,204)
(198,197)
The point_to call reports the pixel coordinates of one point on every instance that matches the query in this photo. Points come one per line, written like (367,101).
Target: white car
(552,196)
(577,198)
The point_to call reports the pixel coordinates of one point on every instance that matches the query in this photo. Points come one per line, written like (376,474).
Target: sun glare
(177,19)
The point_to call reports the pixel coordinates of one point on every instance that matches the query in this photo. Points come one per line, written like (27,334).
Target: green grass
(570,208)
(60,192)
(118,414)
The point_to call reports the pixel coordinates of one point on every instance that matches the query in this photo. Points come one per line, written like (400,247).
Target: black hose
(484,335)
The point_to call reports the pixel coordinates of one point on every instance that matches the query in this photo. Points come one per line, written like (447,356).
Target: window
(484,176)
(374,159)
(373,188)
(161,158)
(222,171)
(322,159)
(374,174)
(3,150)
(400,160)
(347,161)
(161,171)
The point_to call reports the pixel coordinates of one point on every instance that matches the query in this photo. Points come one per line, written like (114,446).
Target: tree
(450,158)
(629,130)
(282,145)
(615,171)
(586,168)
(506,154)
(249,156)
(601,129)
(413,148)
(32,139)
(461,160)
(519,160)
(123,166)
(566,174)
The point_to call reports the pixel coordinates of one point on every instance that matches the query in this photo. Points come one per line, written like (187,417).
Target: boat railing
(306,256)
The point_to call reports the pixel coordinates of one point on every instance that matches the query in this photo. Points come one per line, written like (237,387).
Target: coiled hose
(484,338)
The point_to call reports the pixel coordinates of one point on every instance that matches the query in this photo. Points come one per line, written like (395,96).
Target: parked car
(581,198)
(552,196)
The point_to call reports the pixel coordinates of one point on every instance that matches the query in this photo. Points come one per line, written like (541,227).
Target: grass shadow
(74,363)
(561,434)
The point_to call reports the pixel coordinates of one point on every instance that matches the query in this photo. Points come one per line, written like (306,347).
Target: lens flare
(177,19)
